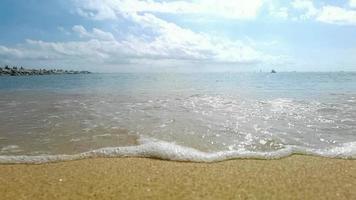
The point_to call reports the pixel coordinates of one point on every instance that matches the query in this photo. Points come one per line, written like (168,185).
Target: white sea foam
(152,148)
(10,148)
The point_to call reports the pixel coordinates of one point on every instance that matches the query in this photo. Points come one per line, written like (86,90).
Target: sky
(179,36)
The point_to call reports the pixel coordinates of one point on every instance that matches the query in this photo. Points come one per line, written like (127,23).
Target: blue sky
(195,35)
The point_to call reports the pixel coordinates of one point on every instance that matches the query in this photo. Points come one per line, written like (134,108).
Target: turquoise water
(196,117)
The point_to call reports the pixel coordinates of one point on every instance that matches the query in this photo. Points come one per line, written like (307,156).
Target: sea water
(202,117)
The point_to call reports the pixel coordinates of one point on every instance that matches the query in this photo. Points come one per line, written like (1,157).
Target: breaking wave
(152,148)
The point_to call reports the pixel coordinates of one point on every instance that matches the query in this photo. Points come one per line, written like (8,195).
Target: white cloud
(96,33)
(232,9)
(112,9)
(154,40)
(97,9)
(170,42)
(278,12)
(352,3)
(327,13)
(337,15)
(9,52)
(179,41)
(307,6)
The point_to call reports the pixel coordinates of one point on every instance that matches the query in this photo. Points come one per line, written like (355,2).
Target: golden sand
(296,177)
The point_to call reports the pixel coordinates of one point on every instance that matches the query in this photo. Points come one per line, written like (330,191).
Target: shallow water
(195,117)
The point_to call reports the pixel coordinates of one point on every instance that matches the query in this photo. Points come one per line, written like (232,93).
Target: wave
(152,148)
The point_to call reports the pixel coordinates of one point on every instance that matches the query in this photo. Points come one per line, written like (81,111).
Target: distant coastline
(20,71)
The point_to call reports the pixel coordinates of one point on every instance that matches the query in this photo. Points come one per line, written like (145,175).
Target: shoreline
(293,177)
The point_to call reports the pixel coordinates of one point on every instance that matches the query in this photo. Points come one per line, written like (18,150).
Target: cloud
(230,9)
(97,9)
(154,40)
(307,6)
(278,12)
(177,41)
(6,52)
(337,15)
(168,42)
(326,13)
(112,9)
(352,3)
(96,33)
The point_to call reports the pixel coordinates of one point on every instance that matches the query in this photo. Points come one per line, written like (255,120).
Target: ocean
(199,117)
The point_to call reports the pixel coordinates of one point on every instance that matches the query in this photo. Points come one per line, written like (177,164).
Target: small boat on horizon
(273,71)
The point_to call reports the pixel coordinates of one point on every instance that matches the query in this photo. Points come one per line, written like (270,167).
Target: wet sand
(296,177)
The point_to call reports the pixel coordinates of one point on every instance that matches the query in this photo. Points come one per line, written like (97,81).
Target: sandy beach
(295,177)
